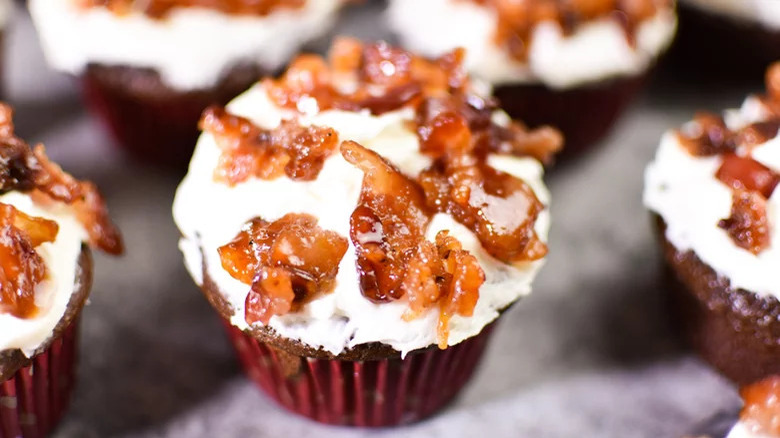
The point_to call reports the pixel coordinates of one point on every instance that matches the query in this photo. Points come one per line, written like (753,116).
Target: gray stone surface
(588,354)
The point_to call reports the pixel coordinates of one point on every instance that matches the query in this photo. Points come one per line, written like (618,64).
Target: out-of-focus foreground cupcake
(360,225)
(727,39)
(712,188)
(149,68)
(48,222)
(760,416)
(571,64)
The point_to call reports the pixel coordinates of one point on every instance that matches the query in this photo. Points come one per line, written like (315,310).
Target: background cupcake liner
(34,399)
(376,393)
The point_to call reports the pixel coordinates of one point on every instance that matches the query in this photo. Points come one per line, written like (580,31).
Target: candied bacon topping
(517,19)
(748,174)
(21,267)
(761,413)
(707,135)
(29,170)
(748,225)
(249,151)
(160,8)
(286,262)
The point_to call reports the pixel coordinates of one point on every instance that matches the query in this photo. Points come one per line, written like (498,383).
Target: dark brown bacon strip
(748,225)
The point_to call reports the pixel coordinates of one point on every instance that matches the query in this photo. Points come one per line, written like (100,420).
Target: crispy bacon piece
(29,170)
(747,174)
(748,225)
(160,8)
(707,135)
(249,151)
(761,412)
(498,207)
(21,267)
(286,262)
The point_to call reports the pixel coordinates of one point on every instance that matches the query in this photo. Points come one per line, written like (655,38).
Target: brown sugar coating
(516,20)
(160,8)
(21,267)
(752,182)
(286,262)
(761,413)
(249,151)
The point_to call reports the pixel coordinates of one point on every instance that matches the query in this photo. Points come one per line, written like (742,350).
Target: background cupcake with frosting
(360,224)
(149,68)
(571,64)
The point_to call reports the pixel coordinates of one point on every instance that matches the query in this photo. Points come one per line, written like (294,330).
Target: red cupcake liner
(34,399)
(583,114)
(375,393)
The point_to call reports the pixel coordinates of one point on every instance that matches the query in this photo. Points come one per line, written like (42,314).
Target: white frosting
(684,191)
(53,294)
(765,12)
(596,51)
(190,48)
(740,430)
(210,214)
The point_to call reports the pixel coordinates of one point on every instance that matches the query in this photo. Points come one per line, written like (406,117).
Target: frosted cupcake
(572,64)
(713,188)
(760,416)
(48,222)
(149,68)
(360,225)
(727,37)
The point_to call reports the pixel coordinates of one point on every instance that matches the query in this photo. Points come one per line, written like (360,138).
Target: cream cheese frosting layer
(740,430)
(764,12)
(191,47)
(54,293)
(210,214)
(684,191)
(596,51)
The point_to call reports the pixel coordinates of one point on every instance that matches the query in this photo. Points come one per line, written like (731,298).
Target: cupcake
(359,224)
(149,68)
(572,64)
(727,38)
(712,190)
(760,416)
(48,222)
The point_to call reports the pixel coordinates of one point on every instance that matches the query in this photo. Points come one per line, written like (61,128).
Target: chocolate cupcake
(149,68)
(727,39)
(360,224)
(712,189)
(760,416)
(571,64)
(48,222)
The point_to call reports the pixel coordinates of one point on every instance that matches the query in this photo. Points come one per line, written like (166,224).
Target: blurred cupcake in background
(150,67)
(727,38)
(48,222)
(713,191)
(360,224)
(571,64)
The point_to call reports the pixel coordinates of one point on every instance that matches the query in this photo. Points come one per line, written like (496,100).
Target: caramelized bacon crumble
(27,169)
(21,267)
(286,262)
(761,413)
(249,151)
(752,182)
(160,8)
(517,19)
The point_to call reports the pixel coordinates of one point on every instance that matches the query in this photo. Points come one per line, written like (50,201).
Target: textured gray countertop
(590,353)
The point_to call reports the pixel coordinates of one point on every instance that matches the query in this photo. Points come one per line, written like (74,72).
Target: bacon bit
(707,136)
(757,133)
(160,8)
(21,267)
(498,207)
(761,412)
(387,225)
(742,173)
(748,225)
(772,81)
(287,262)
(28,169)
(249,151)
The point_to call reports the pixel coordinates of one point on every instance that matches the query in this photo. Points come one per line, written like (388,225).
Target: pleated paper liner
(34,399)
(377,393)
